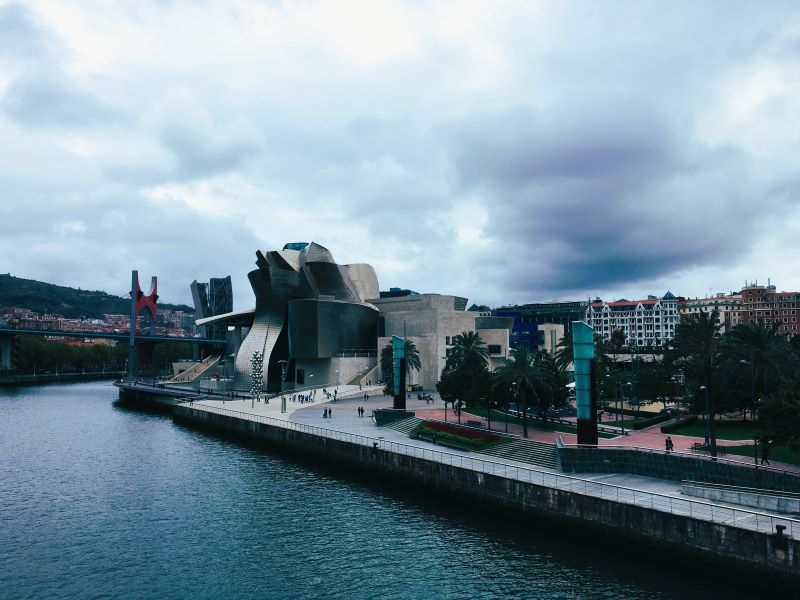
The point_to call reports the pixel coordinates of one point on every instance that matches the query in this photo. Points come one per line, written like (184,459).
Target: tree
(564,356)
(466,373)
(696,348)
(529,374)
(765,354)
(387,363)
(779,415)
(469,352)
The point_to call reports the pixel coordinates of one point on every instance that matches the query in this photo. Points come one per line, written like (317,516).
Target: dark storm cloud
(593,195)
(522,146)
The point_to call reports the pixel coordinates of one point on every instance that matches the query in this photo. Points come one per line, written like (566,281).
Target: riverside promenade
(638,507)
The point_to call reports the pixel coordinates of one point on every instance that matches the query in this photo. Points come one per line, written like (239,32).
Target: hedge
(645,423)
(679,424)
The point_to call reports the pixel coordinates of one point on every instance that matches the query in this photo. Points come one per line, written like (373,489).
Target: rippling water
(99,501)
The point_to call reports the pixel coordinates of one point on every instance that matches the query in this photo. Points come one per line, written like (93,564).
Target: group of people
(327,413)
(328,395)
(361,411)
(427,397)
(304,398)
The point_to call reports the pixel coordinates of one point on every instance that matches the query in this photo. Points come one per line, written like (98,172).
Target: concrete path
(351,397)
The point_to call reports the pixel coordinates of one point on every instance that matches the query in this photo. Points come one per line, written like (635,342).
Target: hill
(69,302)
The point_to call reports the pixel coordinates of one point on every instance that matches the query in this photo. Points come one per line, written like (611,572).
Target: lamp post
(708,425)
(752,364)
(514,396)
(283,364)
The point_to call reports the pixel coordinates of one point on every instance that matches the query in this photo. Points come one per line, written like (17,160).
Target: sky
(505,151)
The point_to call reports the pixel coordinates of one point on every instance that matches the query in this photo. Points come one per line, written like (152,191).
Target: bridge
(4,331)
(139,344)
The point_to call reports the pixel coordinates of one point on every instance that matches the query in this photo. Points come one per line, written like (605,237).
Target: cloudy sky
(504,151)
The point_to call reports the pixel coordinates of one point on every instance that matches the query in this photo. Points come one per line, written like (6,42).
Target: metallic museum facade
(311,322)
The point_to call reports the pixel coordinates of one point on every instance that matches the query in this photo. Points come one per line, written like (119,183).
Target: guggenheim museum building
(317,323)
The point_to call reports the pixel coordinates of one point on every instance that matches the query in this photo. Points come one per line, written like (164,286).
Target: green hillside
(69,302)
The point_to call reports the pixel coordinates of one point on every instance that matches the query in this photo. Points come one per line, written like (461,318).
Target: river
(98,500)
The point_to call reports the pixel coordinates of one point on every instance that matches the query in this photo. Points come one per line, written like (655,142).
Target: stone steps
(405,425)
(526,451)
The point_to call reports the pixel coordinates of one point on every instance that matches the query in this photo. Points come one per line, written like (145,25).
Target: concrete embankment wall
(750,498)
(673,466)
(758,550)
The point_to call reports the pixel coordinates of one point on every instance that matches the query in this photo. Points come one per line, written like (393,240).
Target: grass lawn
(500,417)
(726,430)
(776,454)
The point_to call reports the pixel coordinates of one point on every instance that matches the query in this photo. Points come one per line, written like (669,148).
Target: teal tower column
(585,387)
(399,372)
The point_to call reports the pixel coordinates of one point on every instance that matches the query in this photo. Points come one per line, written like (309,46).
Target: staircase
(405,425)
(196,371)
(526,451)
(361,377)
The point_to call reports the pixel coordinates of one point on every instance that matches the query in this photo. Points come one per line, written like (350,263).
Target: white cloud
(504,151)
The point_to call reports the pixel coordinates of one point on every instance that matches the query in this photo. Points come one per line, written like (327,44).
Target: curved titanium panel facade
(364,280)
(296,315)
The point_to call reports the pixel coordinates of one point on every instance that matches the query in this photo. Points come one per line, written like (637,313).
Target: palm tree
(696,344)
(764,349)
(469,352)
(564,356)
(387,358)
(521,371)
(465,377)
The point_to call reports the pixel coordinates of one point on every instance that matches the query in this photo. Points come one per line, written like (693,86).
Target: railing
(347,353)
(735,517)
(744,462)
(737,488)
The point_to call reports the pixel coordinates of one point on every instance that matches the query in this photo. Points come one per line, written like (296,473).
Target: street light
(751,363)
(514,396)
(708,425)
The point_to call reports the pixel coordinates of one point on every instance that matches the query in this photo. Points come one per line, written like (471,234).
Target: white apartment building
(728,305)
(645,323)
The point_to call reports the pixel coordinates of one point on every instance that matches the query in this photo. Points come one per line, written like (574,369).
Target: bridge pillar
(140,302)
(7,353)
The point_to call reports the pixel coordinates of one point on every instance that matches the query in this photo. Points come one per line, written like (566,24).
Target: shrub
(645,423)
(461,431)
(679,424)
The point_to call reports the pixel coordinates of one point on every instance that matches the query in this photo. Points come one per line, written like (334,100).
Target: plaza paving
(646,491)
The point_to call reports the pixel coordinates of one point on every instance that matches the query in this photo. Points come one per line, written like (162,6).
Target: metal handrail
(738,488)
(692,455)
(735,517)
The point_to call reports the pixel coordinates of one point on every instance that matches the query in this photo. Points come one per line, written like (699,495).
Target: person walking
(668,444)
(765,451)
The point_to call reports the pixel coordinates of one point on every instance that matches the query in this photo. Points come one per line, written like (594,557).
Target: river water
(98,500)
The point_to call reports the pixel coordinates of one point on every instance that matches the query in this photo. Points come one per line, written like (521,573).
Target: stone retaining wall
(756,549)
(675,467)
